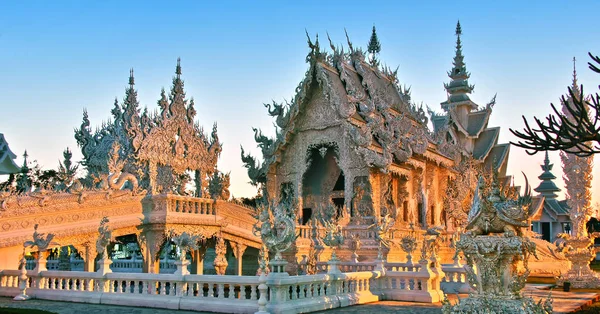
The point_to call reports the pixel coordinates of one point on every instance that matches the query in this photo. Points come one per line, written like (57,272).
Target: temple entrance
(545,231)
(323,181)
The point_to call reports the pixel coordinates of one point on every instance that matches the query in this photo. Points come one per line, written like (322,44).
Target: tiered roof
(7,163)
(547,189)
(464,122)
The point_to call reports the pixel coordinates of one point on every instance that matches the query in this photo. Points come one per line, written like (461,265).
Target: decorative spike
(348,40)
(178,68)
(575,85)
(330,42)
(458,29)
(310,44)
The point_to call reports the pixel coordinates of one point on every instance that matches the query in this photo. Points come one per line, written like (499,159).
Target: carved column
(349,189)
(220,261)
(238,252)
(198,260)
(150,242)
(375,182)
(87,251)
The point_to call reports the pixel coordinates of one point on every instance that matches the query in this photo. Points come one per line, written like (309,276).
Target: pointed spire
(178,68)
(458,88)
(576,91)
(131,80)
(547,187)
(374,48)
(574,84)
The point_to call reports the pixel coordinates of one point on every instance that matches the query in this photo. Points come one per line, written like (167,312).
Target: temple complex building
(351,146)
(465,123)
(553,218)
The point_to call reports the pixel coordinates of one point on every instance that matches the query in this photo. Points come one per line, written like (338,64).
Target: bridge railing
(240,294)
(192,205)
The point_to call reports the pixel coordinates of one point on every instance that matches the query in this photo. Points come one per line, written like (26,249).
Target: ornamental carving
(158,149)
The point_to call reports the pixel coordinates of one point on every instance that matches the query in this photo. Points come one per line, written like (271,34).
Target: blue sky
(58,57)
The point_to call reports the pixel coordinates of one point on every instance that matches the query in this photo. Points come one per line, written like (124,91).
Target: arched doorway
(323,182)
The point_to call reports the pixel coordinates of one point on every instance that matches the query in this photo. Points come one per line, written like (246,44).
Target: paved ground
(564,302)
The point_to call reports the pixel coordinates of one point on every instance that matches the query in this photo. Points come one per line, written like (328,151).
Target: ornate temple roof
(7,163)
(547,187)
(382,122)
(464,121)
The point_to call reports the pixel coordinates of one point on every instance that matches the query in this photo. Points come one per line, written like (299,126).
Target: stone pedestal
(40,262)
(332,266)
(278,267)
(182,268)
(497,281)
(104,266)
(22,282)
(581,252)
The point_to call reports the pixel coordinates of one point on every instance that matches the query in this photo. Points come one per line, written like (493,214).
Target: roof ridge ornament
(131,79)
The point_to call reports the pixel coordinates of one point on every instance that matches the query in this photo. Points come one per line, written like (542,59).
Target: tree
(374,48)
(575,129)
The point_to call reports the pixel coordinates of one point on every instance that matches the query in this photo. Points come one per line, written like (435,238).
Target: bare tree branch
(574,130)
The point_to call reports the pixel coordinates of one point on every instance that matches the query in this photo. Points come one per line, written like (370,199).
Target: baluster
(221,293)
(210,290)
(173,287)
(252,293)
(163,288)
(232,291)
(294,295)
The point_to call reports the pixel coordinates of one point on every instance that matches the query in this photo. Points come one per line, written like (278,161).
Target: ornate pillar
(150,243)
(220,261)
(88,252)
(238,252)
(375,182)
(198,260)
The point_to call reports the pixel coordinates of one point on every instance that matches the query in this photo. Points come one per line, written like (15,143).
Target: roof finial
(547,159)
(178,68)
(131,80)
(458,29)
(574,73)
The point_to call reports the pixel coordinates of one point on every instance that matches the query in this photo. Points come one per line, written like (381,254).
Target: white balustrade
(455,279)
(241,294)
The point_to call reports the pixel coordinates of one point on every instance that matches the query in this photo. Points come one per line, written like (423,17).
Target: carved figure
(41,241)
(263,260)
(408,243)
(498,282)
(333,236)
(185,242)
(276,227)
(383,229)
(497,214)
(104,237)
(220,261)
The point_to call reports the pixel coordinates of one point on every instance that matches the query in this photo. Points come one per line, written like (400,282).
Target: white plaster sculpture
(494,244)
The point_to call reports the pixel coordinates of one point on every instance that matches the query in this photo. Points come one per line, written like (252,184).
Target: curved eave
(537,204)
(8,166)
(485,143)
(432,154)
(479,117)
(7,163)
